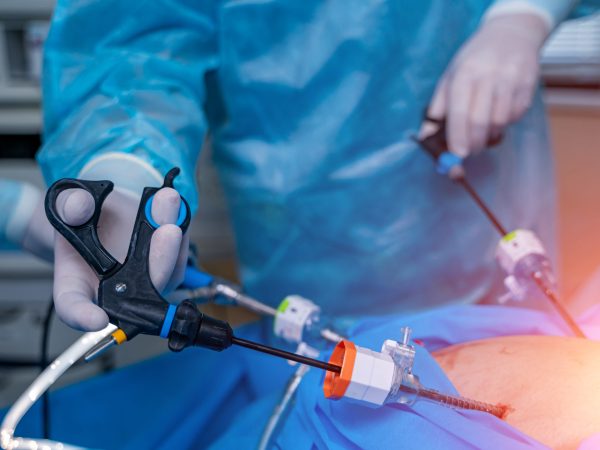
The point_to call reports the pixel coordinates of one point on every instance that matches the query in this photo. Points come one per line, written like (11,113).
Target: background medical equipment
(296,320)
(520,253)
(385,377)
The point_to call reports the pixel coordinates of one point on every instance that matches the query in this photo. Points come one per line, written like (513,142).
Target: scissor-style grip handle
(84,237)
(125,292)
(128,295)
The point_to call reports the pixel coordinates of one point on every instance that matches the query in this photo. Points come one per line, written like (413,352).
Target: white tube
(40,385)
(281,407)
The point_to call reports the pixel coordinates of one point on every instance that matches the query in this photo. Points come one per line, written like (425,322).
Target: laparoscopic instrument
(125,291)
(520,252)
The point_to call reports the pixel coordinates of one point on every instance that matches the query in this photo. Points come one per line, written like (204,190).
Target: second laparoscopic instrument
(520,253)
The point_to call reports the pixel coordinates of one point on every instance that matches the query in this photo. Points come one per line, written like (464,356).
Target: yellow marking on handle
(119,336)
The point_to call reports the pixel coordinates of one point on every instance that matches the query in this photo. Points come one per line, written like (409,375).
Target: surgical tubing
(245,301)
(40,385)
(282,406)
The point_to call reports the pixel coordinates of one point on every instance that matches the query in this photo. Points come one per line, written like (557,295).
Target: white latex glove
(490,82)
(38,238)
(76,284)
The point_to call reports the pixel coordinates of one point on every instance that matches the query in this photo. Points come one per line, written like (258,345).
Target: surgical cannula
(536,276)
(548,292)
(387,378)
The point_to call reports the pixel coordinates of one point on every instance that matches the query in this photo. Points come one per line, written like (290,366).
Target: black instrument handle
(84,237)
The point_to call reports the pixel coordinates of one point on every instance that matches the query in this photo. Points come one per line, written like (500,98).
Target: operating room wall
(575,128)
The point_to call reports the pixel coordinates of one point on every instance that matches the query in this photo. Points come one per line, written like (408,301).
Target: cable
(43,364)
(286,355)
(281,407)
(41,384)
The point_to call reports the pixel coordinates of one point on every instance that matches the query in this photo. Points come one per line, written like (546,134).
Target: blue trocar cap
(447,161)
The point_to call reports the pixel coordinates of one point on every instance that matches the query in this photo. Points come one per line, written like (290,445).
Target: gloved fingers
(501,112)
(460,98)
(165,248)
(75,206)
(78,312)
(165,206)
(522,99)
(73,290)
(480,114)
(179,271)
(436,109)
(168,250)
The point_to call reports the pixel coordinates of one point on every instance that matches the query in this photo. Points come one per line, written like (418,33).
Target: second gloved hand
(76,284)
(490,82)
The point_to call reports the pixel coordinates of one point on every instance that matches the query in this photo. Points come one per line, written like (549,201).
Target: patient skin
(550,384)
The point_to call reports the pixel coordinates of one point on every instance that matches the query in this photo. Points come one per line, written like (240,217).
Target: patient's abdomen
(551,384)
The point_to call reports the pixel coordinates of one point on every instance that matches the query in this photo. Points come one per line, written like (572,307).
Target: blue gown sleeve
(552,11)
(123,90)
(17,203)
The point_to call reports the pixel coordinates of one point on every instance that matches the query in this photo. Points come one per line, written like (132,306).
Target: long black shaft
(475,196)
(551,295)
(285,355)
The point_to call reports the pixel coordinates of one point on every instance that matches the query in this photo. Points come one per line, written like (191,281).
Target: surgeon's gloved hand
(76,284)
(490,82)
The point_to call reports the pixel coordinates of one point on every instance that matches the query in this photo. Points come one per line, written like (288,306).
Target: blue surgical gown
(311,107)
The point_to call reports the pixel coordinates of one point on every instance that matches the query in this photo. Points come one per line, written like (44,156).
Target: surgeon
(311,107)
